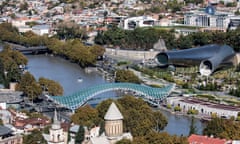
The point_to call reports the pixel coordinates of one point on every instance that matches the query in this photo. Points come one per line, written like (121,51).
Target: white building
(56,134)
(141,21)
(23,29)
(218,1)
(21,22)
(234,22)
(203,107)
(41,29)
(113,128)
(209,18)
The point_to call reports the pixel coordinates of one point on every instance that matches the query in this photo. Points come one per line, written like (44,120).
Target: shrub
(169,106)
(192,111)
(177,108)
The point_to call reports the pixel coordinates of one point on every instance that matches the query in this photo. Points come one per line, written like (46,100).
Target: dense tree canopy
(10,61)
(164,138)
(70,30)
(52,87)
(34,138)
(138,39)
(80,135)
(72,49)
(139,118)
(145,38)
(126,76)
(86,116)
(29,86)
(222,128)
(124,141)
(76,51)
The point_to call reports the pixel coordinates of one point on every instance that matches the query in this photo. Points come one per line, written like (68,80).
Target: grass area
(122,63)
(206,96)
(229,101)
(156,85)
(233,102)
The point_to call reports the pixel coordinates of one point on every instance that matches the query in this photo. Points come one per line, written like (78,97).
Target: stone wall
(131,54)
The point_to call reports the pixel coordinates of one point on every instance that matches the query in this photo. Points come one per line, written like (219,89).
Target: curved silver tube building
(209,57)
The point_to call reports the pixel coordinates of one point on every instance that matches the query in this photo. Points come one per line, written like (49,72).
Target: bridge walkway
(79,98)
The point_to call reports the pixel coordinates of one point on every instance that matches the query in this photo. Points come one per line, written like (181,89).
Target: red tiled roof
(198,139)
(27,18)
(101,29)
(19,122)
(65,126)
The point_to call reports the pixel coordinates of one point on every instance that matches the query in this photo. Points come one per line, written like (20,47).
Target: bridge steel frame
(78,99)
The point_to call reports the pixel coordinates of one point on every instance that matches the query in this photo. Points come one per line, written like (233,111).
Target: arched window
(58,137)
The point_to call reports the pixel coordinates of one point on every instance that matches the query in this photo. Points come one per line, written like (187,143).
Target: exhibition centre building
(208,57)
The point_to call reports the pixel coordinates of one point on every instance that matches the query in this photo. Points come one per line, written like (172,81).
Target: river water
(67,75)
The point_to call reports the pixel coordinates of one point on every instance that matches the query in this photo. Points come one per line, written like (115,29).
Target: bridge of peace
(149,94)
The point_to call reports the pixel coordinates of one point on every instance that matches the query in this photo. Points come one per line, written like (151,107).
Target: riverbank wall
(131,54)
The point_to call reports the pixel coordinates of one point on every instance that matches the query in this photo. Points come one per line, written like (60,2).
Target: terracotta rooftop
(198,139)
(19,122)
(65,126)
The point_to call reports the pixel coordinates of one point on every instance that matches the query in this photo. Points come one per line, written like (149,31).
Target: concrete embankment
(131,54)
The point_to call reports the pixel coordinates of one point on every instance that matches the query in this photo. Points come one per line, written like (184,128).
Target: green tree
(126,76)
(159,121)
(34,138)
(140,140)
(52,87)
(97,51)
(9,65)
(86,116)
(201,38)
(46,129)
(29,86)
(70,30)
(1,121)
(214,127)
(103,107)
(222,128)
(164,138)
(184,42)
(193,128)
(124,141)
(138,116)
(80,135)
(174,5)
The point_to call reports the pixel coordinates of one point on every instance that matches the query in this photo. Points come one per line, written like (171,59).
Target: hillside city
(176,56)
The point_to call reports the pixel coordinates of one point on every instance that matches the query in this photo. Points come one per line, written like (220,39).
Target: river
(67,73)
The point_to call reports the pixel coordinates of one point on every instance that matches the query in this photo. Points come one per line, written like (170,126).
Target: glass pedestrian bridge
(75,100)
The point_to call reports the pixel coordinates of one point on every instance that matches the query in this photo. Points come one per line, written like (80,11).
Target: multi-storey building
(209,18)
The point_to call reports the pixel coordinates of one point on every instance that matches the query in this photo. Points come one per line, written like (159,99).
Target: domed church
(113,128)
(113,122)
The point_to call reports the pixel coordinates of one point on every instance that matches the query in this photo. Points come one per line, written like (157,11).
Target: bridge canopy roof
(79,98)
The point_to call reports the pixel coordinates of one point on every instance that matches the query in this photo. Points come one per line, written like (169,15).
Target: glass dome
(210,10)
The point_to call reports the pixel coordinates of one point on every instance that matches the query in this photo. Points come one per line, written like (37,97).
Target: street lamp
(5,73)
(6,82)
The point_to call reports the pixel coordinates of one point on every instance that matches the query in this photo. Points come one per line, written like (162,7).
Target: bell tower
(56,132)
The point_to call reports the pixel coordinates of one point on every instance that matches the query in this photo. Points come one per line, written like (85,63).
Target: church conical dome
(56,124)
(113,113)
